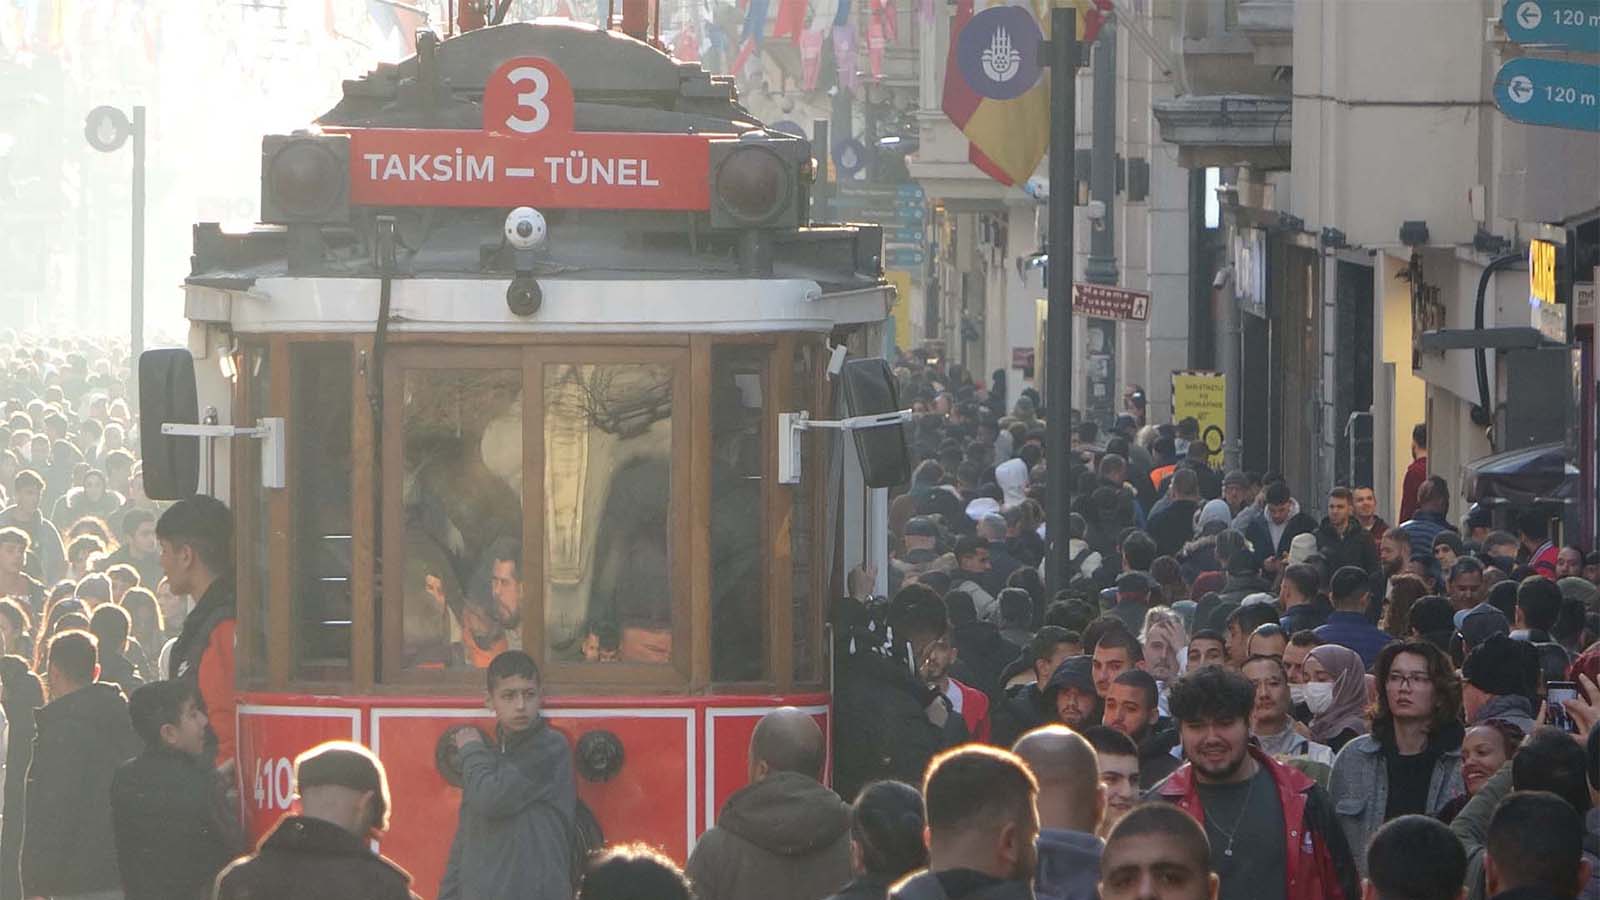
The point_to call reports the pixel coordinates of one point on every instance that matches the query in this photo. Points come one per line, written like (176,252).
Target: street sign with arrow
(1560,24)
(1549,92)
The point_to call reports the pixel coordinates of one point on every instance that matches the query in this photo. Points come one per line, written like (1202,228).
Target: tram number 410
(274,783)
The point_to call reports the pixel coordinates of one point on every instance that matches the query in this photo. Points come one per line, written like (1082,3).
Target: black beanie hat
(1502,666)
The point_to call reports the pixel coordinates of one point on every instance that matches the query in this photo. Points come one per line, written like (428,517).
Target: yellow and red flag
(995,87)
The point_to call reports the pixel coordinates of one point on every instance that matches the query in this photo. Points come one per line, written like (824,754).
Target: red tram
(514,361)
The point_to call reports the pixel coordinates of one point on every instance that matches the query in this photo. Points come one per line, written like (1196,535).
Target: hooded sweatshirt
(1012,477)
(785,837)
(1069,865)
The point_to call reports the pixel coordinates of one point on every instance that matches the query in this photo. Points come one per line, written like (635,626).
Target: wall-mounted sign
(1541,272)
(1551,92)
(1102,301)
(1563,24)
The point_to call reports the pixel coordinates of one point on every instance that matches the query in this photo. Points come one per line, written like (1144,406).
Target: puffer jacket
(1318,866)
(785,837)
(1360,789)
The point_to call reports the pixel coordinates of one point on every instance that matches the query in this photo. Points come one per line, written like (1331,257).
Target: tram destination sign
(528,154)
(1105,302)
(1559,24)
(1549,92)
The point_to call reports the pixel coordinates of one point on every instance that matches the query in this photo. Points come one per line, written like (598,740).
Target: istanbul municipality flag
(995,86)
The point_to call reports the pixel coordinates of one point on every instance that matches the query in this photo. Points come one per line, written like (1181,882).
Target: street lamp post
(1058,322)
(107,128)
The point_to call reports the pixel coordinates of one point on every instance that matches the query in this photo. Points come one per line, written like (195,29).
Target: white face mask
(1318,697)
(1297,694)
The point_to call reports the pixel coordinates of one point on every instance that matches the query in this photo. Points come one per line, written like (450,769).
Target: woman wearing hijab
(1336,693)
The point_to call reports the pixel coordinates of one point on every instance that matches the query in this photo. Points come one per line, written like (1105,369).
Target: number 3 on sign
(532,100)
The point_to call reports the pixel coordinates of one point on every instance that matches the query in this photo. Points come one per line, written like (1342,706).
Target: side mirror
(870,389)
(167,396)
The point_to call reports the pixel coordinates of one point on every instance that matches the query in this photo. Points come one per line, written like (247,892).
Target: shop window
(608,585)
(738,460)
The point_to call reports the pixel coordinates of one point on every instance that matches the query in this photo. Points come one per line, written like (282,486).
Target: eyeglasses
(1409,679)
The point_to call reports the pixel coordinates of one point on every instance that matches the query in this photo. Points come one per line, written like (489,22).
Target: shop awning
(1524,476)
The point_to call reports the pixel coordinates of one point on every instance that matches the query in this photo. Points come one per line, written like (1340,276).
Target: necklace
(1237,820)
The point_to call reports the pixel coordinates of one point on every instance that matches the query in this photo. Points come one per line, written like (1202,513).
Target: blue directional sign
(1549,92)
(1566,24)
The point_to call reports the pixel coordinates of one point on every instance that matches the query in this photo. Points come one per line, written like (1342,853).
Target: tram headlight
(305,179)
(759,180)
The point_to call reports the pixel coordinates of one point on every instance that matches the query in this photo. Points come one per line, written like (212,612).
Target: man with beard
(1393,551)
(981,831)
(1157,853)
(1132,707)
(1340,538)
(1071,696)
(1118,763)
(1272,829)
(1026,706)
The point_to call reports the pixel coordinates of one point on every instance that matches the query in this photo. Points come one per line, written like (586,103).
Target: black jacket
(116,669)
(881,727)
(1024,710)
(19,709)
(310,859)
(1306,616)
(1172,526)
(864,887)
(67,844)
(1156,761)
(172,828)
(962,884)
(1353,548)
(986,654)
(1259,534)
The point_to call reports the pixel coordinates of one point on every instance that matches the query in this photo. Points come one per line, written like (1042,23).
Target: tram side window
(608,487)
(738,457)
(321,379)
(462,507)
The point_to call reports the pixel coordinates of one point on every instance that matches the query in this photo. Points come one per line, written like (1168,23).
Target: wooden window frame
(375,631)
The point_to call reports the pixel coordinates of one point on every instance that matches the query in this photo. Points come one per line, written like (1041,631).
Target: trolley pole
(1063,60)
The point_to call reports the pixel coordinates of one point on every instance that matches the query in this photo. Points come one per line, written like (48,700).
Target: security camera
(1096,210)
(525,228)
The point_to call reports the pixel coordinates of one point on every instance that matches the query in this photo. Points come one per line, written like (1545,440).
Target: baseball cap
(922,526)
(1480,625)
(1076,672)
(340,764)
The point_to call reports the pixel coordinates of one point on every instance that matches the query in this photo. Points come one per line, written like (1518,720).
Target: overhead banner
(1203,396)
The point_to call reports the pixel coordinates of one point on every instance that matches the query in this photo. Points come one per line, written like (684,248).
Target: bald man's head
(786,740)
(1070,796)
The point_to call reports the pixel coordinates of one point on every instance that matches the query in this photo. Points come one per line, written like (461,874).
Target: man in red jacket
(1272,829)
(196,537)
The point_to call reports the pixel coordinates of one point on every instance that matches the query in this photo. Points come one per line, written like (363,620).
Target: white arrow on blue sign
(1549,92)
(1565,24)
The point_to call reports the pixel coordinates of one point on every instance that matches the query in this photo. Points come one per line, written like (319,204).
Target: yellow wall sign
(1542,272)
(1204,397)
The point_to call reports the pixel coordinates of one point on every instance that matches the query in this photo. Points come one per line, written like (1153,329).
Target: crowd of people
(1230,697)
(1300,676)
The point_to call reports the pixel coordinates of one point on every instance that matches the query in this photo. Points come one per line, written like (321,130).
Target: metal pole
(1058,327)
(822,194)
(1101,267)
(137,312)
